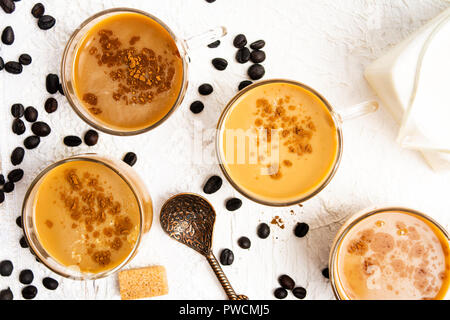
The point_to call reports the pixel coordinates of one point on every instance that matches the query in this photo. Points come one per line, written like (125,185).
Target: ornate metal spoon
(189,219)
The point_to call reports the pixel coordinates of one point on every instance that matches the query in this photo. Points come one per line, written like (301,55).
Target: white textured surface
(325,44)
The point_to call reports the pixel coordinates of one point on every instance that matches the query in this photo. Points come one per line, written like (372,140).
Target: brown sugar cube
(143,283)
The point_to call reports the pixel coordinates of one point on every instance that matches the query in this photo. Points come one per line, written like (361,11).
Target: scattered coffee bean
(210,1)
(197,107)
(240,41)
(18,127)
(205,89)
(52,83)
(244,84)
(326,273)
(19,221)
(280,293)
(29,292)
(91,138)
(6,268)
(16,175)
(17,156)
(8,6)
(2,64)
(50,283)
(2,180)
(244,243)
(8,36)
(214,44)
(32,142)
(31,114)
(286,282)
(6,295)
(72,141)
(38,10)
(26,277)
(243,55)
(51,105)
(2,196)
(8,187)
(23,243)
(17,110)
(41,129)
(301,230)
(213,185)
(13,67)
(299,293)
(130,159)
(61,90)
(233,204)
(257,56)
(220,63)
(263,231)
(25,59)
(256,72)
(226,257)
(46,22)
(258,45)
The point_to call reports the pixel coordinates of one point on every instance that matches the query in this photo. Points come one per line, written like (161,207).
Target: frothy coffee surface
(394,255)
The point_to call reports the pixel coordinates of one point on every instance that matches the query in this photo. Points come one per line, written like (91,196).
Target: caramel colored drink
(393,255)
(278,143)
(127,72)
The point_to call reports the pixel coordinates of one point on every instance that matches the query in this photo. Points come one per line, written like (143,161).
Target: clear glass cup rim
(83,276)
(181,48)
(363,215)
(336,119)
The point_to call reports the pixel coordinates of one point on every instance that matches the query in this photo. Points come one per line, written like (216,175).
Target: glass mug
(75,41)
(360,221)
(120,171)
(337,119)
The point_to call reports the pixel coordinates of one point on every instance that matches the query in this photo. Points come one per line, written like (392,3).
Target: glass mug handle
(358,110)
(205,38)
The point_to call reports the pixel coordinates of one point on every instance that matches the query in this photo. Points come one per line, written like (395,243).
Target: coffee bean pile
(288,284)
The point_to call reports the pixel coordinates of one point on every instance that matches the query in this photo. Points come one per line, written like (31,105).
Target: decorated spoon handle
(223,278)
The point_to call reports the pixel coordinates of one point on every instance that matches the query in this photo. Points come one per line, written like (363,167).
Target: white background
(325,44)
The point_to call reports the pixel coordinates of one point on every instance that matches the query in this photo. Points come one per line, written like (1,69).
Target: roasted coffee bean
(301,230)
(61,90)
(8,187)
(280,293)
(13,67)
(6,268)
(210,1)
(257,56)
(2,196)
(243,55)
(29,292)
(32,142)
(258,45)
(263,231)
(31,114)
(205,89)
(8,6)
(2,64)
(38,10)
(25,59)
(26,277)
(240,41)
(91,138)
(19,221)
(299,293)
(17,156)
(197,107)
(244,84)
(256,72)
(18,127)
(233,204)
(72,141)
(52,83)
(286,282)
(51,105)
(326,273)
(6,295)
(214,44)
(46,22)
(17,110)
(226,257)
(41,129)
(23,243)
(130,159)
(16,175)
(213,185)
(8,36)
(2,180)
(220,63)
(244,243)
(50,283)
